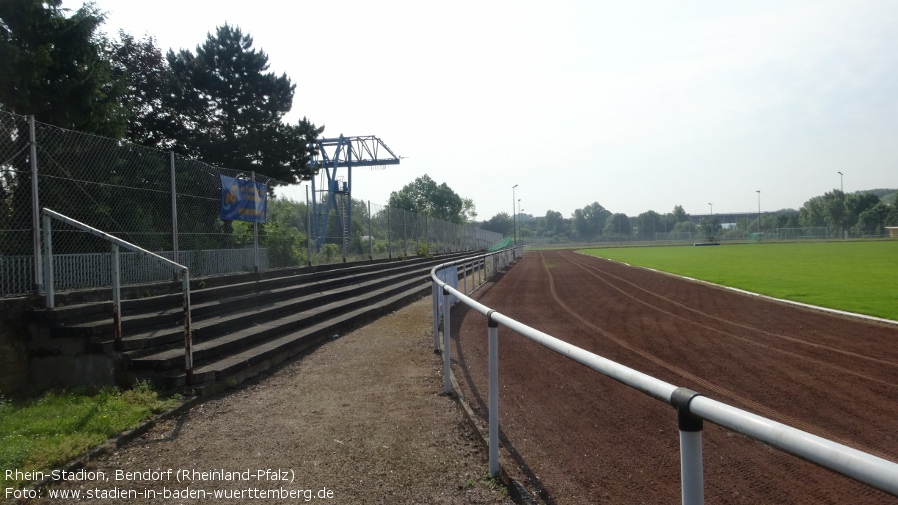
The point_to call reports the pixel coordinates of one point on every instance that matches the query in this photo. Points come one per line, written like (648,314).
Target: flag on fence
(243,200)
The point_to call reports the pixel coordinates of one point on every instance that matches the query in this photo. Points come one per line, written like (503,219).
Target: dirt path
(576,437)
(360,420)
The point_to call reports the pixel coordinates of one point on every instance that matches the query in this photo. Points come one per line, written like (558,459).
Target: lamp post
(759,214)
(841,182)
(712,209)
(514,218)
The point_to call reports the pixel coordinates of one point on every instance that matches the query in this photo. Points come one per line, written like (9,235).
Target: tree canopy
(57,68)
(425,196)
(219,104)
(234,108)
(862,212)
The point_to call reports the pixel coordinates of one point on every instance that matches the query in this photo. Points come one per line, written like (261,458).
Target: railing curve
(692,407)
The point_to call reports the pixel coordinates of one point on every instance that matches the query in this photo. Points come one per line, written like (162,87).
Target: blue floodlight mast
(364,151)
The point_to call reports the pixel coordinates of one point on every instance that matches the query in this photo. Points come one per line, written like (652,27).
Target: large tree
(648,223)
(153,121)
(425,196)
(57,68)
(589,221)
(617,224)
(233,108)
(500,223)
(554,223)
(841,212)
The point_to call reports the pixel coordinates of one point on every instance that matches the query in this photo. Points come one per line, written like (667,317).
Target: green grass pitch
(860,277)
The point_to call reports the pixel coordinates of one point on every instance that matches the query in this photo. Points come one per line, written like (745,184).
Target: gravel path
(362,419)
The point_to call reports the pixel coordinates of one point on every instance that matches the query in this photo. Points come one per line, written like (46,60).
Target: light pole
(841,182)
(759,214)
(712,209)
(514,218)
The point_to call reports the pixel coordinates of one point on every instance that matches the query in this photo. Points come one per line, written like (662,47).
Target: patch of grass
(44,433)
(859,277)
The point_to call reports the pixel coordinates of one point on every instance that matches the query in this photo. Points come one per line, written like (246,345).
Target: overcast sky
(636,105)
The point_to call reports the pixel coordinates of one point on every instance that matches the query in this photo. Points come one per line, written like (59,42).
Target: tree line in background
(864,213)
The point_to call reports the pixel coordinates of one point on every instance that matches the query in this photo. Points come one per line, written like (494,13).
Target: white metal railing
(692,407)
(116,243)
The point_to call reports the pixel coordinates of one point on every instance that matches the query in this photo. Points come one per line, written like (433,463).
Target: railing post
(447,331)
(435,294)
(493,344)
(50,293)
(116,297)
(690,426)
(188,347)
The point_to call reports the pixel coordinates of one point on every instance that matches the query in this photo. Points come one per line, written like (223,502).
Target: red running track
(574,436)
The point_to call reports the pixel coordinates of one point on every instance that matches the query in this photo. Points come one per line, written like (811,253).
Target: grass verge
(860,277)
(45,433)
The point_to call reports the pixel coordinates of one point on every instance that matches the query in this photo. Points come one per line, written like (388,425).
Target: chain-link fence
(170,205)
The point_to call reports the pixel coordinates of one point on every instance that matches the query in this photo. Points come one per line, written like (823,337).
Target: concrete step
(240,325)
(266,325)
(234,368)
(144,315)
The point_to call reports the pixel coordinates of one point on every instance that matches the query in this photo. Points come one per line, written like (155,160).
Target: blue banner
(243,200)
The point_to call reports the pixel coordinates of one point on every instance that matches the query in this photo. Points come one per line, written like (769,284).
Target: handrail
(116,242)
(692,408)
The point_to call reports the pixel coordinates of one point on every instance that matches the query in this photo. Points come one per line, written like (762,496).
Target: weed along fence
(692,408)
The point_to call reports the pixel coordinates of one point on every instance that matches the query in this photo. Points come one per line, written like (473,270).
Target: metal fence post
(447,329)
(35,212)
(116,297)
(690,426)
(255,236)
(493,337)
(370,237)
(50,295)
(308,228)
(174,209)
(389,236)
